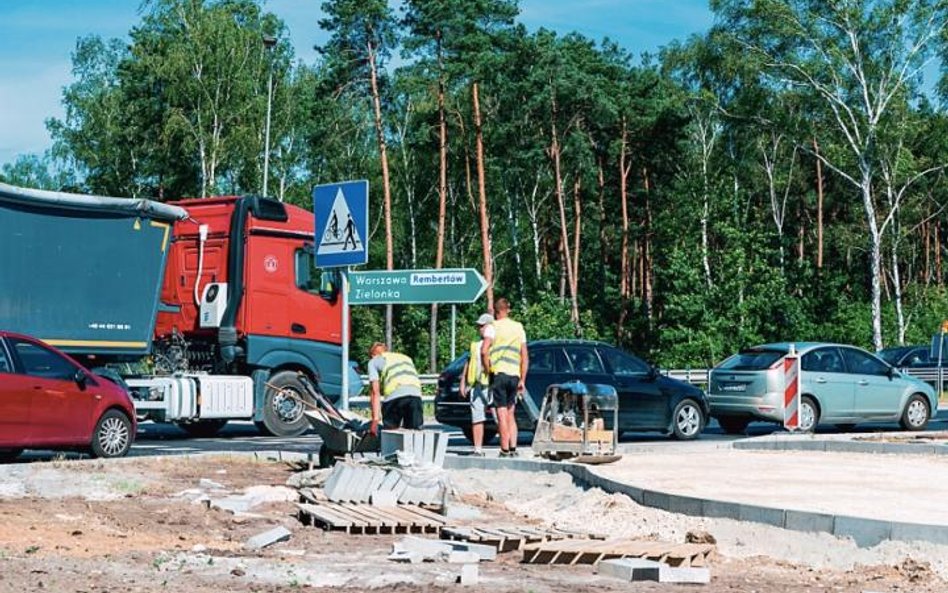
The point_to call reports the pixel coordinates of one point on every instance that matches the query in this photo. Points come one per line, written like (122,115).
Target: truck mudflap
(193,397)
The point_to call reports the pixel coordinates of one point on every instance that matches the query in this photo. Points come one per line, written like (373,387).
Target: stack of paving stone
(421,447)
(417,479)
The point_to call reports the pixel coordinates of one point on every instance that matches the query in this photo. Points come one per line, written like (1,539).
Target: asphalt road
(167,439)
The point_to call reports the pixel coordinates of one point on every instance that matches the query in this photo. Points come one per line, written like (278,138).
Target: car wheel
(112,436)
(688,420)
(7,455)
(915,415)
(809,414)
(733,425)
(283,406)
(203,429)
(489,434)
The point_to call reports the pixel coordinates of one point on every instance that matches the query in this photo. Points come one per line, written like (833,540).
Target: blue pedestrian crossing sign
(342,223)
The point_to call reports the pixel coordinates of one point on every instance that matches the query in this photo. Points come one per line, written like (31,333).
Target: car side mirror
(892,373)
(81,378)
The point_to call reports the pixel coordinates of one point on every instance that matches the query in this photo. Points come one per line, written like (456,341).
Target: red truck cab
(280,315)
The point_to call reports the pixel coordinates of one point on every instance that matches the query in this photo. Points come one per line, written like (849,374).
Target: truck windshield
(752,360)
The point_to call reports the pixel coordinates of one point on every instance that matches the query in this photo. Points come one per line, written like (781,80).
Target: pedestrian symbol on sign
(334,240)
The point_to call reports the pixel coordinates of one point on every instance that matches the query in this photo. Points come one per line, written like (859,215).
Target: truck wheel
(203,429)
(283,406)
(112,436)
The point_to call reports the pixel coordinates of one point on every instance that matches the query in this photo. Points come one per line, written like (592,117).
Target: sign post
(791,393)
(342,234)
(416,287)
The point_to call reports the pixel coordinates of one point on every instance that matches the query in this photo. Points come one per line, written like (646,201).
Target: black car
(911,357)
(648,401)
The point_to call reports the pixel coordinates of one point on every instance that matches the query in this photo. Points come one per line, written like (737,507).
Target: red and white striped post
(791,390)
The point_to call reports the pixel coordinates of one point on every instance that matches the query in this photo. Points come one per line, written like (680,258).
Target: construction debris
(357,482)
(365,519)
(469,575)
(592,552)
(638,569)
(445,551)
(630,569)
(508,538)
(423,446)
(268,538)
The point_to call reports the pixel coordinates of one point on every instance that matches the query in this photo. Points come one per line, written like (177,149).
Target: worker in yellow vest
(475,383)
(505,354)
(395,390)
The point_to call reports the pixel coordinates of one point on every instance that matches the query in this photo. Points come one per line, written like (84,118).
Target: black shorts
(403,412)
(504,389)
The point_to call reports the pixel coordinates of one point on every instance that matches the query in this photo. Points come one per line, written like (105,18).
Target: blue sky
(40,35)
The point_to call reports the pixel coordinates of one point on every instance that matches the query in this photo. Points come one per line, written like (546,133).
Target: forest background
(779,177)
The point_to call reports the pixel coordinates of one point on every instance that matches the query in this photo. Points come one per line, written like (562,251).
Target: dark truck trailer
(83,273)
(219,297)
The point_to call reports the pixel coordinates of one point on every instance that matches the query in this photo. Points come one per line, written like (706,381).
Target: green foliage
(700,162)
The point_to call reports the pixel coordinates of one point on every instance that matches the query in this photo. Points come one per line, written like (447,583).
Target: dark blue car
(648,401)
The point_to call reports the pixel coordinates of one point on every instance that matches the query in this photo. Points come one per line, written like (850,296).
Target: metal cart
(578,422)
(343,432)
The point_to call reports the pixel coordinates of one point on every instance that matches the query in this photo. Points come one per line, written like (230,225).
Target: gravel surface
(557,500)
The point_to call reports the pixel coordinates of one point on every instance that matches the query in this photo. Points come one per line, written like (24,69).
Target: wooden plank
(590,551)
(329,519)
(424,513)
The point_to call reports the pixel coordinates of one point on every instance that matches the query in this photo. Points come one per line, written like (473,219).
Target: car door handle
(298,328)
(864,382)
(820,380)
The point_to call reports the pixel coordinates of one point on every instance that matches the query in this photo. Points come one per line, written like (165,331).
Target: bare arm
(485,353)
(375,398)
(464,379)
(524,364)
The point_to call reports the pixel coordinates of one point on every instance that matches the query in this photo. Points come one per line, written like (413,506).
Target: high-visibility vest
(399,372)
(476,374)
(505,349)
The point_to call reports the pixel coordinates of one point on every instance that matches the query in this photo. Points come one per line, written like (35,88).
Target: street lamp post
(268,42)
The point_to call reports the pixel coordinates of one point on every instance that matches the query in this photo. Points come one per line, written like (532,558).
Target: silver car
(840,385)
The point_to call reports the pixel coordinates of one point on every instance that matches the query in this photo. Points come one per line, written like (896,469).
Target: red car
(49,401)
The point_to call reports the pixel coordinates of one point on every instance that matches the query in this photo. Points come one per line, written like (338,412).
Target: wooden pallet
(509,538)
(591,552)
(365,519)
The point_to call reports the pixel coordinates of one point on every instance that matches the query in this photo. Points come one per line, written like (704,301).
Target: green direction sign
(402,287)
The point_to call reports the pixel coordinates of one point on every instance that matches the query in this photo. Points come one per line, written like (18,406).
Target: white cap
(485,319)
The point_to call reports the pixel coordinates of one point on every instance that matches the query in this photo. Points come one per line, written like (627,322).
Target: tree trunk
(442,206)
(875,262)
(625,289)
(386,190)
(937,248)
(577,229)
(603,250)
(482,200)
(648,278)
(819,207)
(561,202)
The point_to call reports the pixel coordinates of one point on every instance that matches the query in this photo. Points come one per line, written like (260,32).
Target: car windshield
(752,360)
(457,365)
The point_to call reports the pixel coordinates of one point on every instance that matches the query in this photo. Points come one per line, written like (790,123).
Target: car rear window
(752,360)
